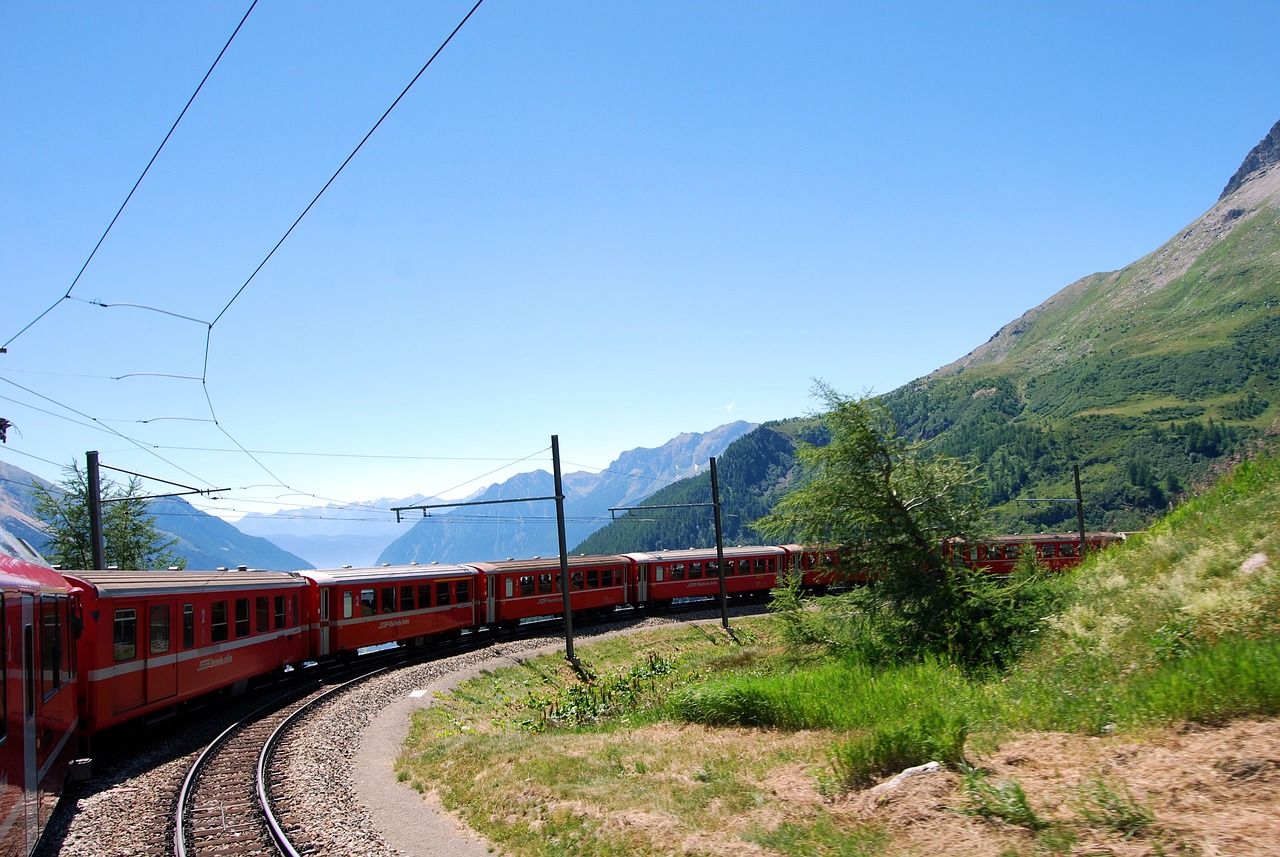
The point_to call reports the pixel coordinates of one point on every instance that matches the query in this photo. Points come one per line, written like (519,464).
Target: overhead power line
(145,170)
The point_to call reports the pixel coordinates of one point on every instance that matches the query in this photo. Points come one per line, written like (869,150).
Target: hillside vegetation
(1146,378)
(1144,722)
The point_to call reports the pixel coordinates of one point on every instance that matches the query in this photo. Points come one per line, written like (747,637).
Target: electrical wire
(132,190)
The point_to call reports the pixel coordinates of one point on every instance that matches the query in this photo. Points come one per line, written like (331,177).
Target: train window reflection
(218,626)
(124,636)
(159,629)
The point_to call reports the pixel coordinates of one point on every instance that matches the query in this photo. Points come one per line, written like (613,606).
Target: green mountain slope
(1144,376)
(1147,378)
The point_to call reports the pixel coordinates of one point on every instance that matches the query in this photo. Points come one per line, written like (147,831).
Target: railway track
(227,804)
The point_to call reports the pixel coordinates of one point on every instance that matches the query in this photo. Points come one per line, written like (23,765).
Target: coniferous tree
(129,535)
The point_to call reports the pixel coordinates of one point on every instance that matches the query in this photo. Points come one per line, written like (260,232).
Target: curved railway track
(226,805)
(132,808)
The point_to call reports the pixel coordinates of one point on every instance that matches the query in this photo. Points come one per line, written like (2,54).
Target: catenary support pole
(1084,541)
(564,552)
(715,503)
(95,507)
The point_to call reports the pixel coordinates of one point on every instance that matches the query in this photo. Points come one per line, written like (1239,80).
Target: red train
(88,650)
(37,692)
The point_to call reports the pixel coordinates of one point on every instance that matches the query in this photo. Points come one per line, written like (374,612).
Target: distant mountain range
(482,533)
(334,535)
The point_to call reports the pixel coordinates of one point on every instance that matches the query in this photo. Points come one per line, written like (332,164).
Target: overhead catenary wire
(142,176)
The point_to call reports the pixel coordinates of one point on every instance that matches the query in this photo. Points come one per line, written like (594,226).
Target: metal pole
(95,507)
(1084,542)
(564,552)
(715,503)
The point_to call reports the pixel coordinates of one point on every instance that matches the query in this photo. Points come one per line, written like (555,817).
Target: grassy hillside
(1130,730)
(1147,378)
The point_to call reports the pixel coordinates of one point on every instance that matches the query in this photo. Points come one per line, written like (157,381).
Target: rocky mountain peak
(1263,156)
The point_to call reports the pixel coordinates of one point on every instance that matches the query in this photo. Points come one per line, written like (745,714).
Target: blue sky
(611,222)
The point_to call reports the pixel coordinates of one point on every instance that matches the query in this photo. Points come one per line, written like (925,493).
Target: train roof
(116,583)
(552,563)
(705,553)
(385,573)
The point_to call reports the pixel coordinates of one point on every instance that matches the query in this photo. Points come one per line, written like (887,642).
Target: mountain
(204,540)
(17,504)
(334,535)
(477,533)
(1147,378)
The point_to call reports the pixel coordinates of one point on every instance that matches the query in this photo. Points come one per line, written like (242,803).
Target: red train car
(529,588)
(153,639)
(663,576)
(1056,551)
(822,568)
(354,608)
(37,692)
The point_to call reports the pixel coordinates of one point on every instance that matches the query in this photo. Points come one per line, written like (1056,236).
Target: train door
(30,726)
(491,595)
(161,660)
(322,649)
(642,583)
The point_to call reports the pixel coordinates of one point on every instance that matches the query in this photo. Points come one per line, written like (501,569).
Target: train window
(1048,550)
(760,566)
(29,670)
(406,598)
(695,570)
(511,586)
(50,645)
(713,568)
(464,591)
(1010,551)
(279,609)
(346,604)
(159,631)
(593,578)
(657,574)
(544,584)
(188,626)
(575,580)
(242,617)
(526,584)
(677,571)
(388,599)
(218,625)
(424,595)
(124,636)
(606,577)
(442,593)
(262,614)
(368,602)
(1067,550)
(69,634)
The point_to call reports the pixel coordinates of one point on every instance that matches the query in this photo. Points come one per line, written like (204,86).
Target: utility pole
(715,502)
(1084,542)
(564,553)
(95,507)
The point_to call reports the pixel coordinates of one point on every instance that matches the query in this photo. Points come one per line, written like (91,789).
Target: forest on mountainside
(1150,380)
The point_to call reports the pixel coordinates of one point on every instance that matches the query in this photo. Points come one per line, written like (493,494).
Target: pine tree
(129,534)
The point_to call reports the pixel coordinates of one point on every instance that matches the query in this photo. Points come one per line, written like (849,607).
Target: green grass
(665,740)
